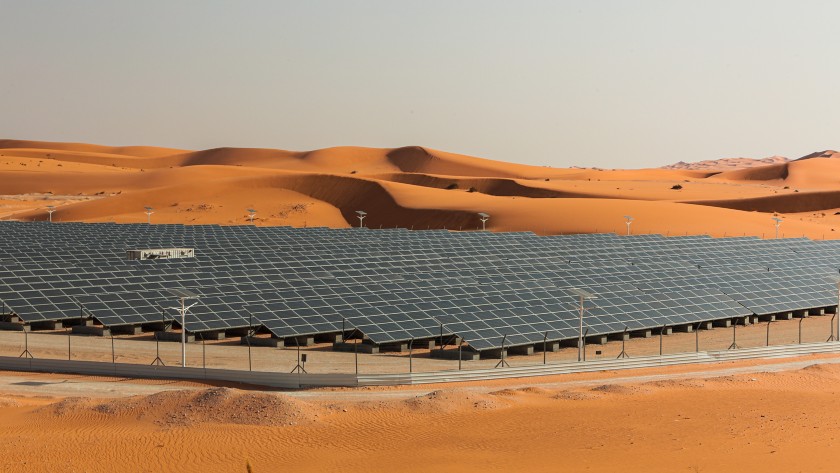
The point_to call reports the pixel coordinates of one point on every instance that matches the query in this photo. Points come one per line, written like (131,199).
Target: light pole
(183,295)
(484,218)
(361,214)
(778,222)
(149,215)
(252,213)
(50,210)
(583,296)
(629,220)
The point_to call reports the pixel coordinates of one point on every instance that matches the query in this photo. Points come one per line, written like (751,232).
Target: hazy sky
(559,83)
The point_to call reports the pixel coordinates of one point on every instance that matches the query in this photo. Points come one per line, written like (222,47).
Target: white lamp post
(484,218)
(583,296)
(629,220)
(183,295)
(361,214)
(778,222)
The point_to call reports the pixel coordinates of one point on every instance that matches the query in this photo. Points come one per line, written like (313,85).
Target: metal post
(68,343)
(800,329)
(661,336)
(247,339)
(459,354)
(832,338)
(410,348)
(580,331)
(734,345)
(157,360)
(113,353)
(697,338)
(502,361)
(203,356)
(767,341)
(26,353)
(249,334)
(356,353)
(623,353)
(184,335)
(545,338)
(584,345)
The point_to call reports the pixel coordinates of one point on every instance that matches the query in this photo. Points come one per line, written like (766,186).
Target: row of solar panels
(300,291)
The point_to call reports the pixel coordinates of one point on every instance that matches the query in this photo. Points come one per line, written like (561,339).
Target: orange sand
(753,422)
(413,187)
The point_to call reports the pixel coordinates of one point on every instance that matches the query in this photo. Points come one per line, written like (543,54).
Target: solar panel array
(397,285)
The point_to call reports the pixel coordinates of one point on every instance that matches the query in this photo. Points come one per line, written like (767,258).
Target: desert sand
(415,187)
(739,417)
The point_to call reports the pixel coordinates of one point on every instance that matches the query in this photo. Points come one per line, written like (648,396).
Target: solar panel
(396,285)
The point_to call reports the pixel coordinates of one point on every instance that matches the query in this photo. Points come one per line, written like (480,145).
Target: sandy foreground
(744,417)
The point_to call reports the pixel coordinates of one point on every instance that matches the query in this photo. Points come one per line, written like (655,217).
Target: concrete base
(521,350)
(620,336)
(784,316)
(173,337)
(47,325)
(91,330)
(722,323)
(466,354)
(448,340)
(329,338)
(399,347)
(832,309)
(665,331)
(685,328)
(127,329)
(78,322)
(361,347)
(403,347)
(214,335)
(493,354)
(549,347)
(303,341)
(767,318)
(18,327)
(800,313)
(156,327)
(597,339)
(706,325)
(237,332)
(640,334)
(262,342)
(820,311)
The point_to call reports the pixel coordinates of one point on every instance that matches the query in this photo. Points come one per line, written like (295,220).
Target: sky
(615,84)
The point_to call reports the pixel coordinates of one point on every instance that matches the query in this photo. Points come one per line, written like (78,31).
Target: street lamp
(252,213)
(149,215)
(183,295)
(629,220)
(583,296)
(778,222)
(361,214)
(50,210)
(484,218)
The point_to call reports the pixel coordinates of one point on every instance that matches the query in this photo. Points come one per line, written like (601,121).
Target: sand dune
(410,187)
(755,421)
